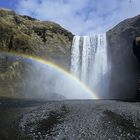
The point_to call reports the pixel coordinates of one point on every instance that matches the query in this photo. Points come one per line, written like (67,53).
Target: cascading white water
(85,58)
(100,66)
(75,59)
(89,60)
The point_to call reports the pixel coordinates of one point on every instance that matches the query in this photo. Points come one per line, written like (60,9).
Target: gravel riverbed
(82,120)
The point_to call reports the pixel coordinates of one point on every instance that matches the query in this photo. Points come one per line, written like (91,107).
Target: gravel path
(83,120)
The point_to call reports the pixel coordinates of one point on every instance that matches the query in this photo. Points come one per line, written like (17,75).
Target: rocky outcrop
(124,65)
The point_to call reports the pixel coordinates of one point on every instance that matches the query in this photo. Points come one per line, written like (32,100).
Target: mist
(49,81)
(45,81)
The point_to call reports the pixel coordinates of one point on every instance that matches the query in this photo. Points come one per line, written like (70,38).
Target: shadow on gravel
(122,122)
(11,111)
(9,129)
(46,125)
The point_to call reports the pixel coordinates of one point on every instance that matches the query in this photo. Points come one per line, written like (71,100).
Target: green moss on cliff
(27,35)
(24,34)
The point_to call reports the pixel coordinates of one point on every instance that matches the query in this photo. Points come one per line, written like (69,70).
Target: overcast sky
(81,17)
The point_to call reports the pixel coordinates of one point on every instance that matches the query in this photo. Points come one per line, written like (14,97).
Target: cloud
(81,17)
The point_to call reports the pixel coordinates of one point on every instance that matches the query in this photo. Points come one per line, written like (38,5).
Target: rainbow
(54,66)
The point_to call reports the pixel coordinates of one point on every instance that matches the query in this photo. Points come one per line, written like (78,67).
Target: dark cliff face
(26,35)
(124,65)
(136,50)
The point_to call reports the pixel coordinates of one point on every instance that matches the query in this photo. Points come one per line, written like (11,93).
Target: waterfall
(85,58)
(89,60)
(100,66)
(75,59)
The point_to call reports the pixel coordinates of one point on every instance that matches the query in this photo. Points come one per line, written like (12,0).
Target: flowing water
(89,61)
